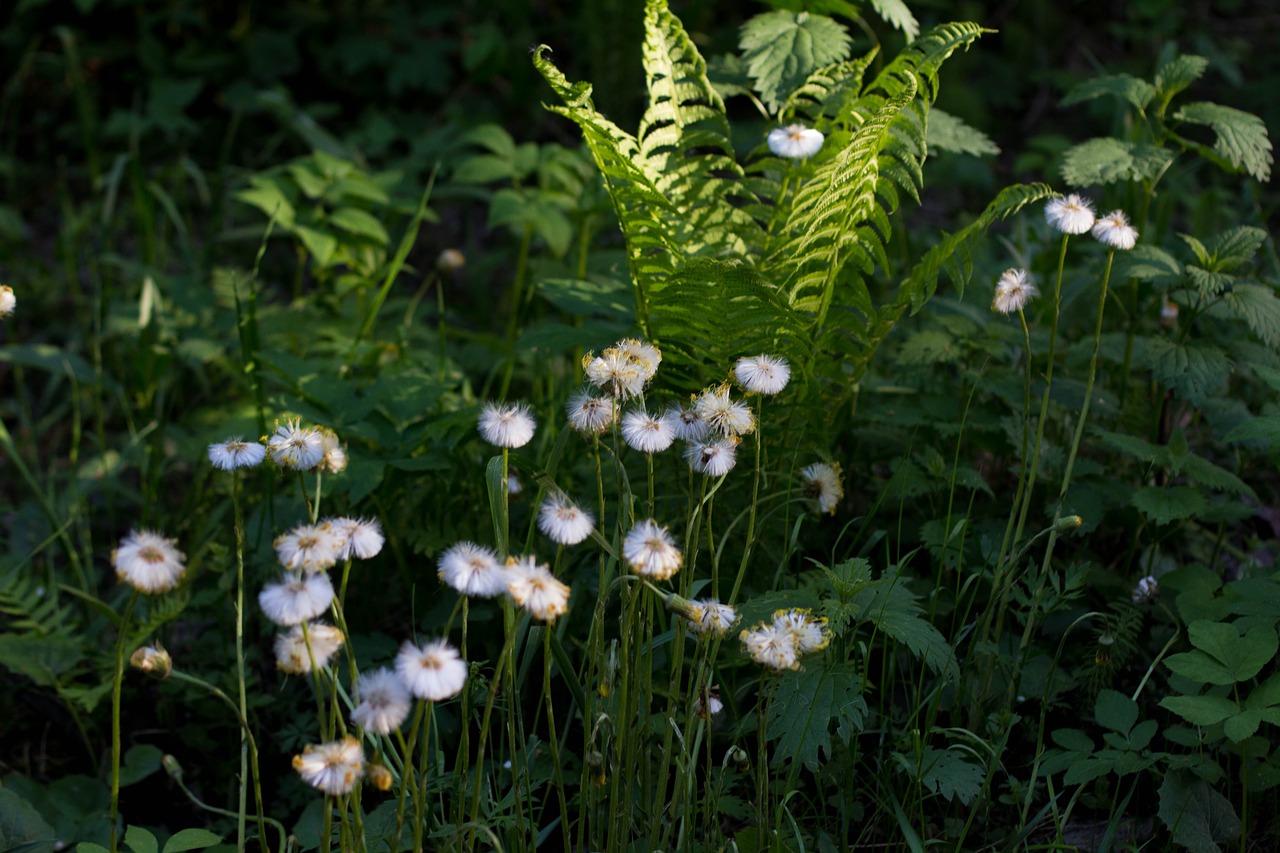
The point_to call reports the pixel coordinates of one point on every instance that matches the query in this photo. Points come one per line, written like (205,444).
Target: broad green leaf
(361,223)
(1138,93)
(1242,725)
(1265,695)
(1116,711)
(1222,655)
(41,659)
(1199,817)
(1205,473)
(894,610)
(946,772)
(1148,263)
(1179,73)
(1235,247)
(782,48)
(1194,370)
(1241,137)
(1163,504)
(139,763)
(266,195)
(948,133)
(320,245)
(1200,710)
(140,840)
(191,839)
(806,703)
(22,827)
(1258,307)
(1107,161)
(1257,429)
(596,296)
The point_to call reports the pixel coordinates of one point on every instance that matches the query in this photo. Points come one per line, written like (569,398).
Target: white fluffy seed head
(506,424)
(1072,214)
(1115,231)
(647,433)
(795,141)
(297,598)
(1013,291)
(472,570)
(384,702)
(651,552)
(148,562)
(433,671)
(563,521)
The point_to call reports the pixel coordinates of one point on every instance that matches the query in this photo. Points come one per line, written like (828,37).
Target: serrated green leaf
(781,48)
(1107,161)
(1235,247)
(946,772)
(1116,711)
(1242,725)
(1125,87)
(895,611)
(1222,655)
(1209,282)
(805,704)
(1241,137)
(1163,504)
(1198,816)
(1257,429)
(361,223)
(1147,263)
(1259,308)
(1200,710)
(1135,447)
(1205,473)
(896,14)
(1194,370)
(948,133)
(1179,73)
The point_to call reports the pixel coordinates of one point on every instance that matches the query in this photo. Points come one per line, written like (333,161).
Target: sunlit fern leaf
(713,311)
(827,90)
(685,146)
(923,57)
(951,256)
(643,212)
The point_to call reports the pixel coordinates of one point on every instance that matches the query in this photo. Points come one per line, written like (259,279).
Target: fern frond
(924,57)
(685,146)
(31,609)
(827,91)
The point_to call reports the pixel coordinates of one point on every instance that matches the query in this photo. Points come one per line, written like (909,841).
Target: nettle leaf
(1179,73)
(1198,816)
(782,48)
(896,611)
(1163,504)
(1235,247)
(1194,370)
(804,705)
(1257,429)
(1147,263)
(1126,87)
(1258,307)
(1209,282)
(1107,161)
(948,133)
(1241,137)
(946,772)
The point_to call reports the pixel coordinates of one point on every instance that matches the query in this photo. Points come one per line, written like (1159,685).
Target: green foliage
(805,705)
(1199,817)
(781,49)
(1240,138)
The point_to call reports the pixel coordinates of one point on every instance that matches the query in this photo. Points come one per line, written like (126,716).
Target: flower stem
(117,684)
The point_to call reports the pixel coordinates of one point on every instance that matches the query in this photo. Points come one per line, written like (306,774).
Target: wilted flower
(8,302)
(1013,291)
(615,372)
(650,551)
(762,374)
(309,547)
(291,446)
(434,671)
(795,141)
(384,702)
(1071,214)
(333,458)
(379,776)
(772,646)
(708,704)
(810,634)
(292,653)
(333,768)
(722,414)
(711,618)
(713,458)
(822,482)
(1146,590)
(643,355)
(234,453)
(472,570)
(1115,231)
(563,521)
(646,433)
(296,599)
(532,586)
(589,413)
(506,424)
(148,562)
(361,538)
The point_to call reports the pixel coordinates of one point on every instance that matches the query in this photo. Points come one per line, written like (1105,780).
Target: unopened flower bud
(379,776)
(738,756)
(172,767)
(153,660)
(681,606)
(450,261)
(1067,523)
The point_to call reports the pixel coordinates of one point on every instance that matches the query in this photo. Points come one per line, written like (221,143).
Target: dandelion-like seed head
(8,302)
(762,374)
(433,671)
(292,446)
(1072,214)
(615,372)
(810,634)
(647,433)
(1146,590)
(563,521)
(532,586)
(1115,231)
(723,414)
(651,552)
(297,598)
(643,355)
(711,618)
(771,646)
(450,261)
(148,562)
(234,453)
(361,537)
(384,702)
(823,485)
(1013,291)
(310,547)
(708,703)
(712,458)
(333,768)
(333,459)
(506,424)
(588,413)
(293,655)
(686,423)
(795,141)
(472,570)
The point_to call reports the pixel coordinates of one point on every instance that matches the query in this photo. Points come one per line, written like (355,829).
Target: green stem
(116,684)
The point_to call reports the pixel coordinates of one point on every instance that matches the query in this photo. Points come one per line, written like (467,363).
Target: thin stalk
(238,521)
(751,519)
(556,763)
(117,683)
